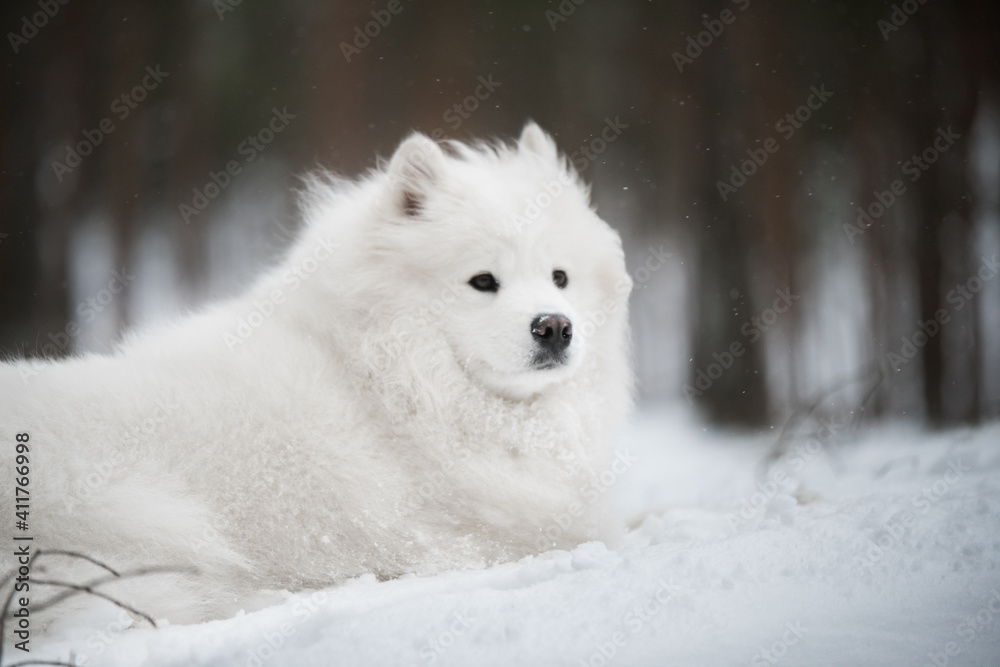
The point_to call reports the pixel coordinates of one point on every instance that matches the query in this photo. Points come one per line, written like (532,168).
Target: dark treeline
(778,149)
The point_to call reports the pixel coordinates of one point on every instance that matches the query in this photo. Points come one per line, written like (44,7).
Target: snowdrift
(878,550)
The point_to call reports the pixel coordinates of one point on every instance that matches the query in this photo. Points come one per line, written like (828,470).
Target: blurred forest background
(823,108)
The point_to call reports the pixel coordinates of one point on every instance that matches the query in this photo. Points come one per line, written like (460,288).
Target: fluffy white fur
(384,417)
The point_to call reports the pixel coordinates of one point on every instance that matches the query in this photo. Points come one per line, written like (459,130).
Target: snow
(875,549)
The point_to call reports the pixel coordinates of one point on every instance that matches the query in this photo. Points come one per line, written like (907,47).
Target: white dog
(432,379)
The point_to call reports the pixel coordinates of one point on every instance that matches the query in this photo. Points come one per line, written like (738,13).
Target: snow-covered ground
(880,550)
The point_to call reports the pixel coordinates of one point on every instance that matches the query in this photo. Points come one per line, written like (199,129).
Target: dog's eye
(485,282)
(559,278)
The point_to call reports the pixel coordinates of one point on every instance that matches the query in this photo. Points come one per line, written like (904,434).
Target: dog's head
(503,257)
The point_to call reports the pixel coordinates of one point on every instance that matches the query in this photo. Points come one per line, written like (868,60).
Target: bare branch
(76,589)
(104,596)
(806,411)
(163,569)
(76,554)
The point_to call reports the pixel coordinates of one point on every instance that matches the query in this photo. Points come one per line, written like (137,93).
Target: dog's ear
(535,140)
(415,167)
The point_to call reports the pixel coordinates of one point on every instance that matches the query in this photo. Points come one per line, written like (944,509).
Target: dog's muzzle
(553,334)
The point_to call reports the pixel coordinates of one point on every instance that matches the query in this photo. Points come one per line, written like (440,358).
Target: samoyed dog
(431,379)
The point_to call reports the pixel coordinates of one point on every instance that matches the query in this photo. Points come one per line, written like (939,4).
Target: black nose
(552,332)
